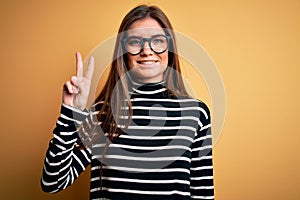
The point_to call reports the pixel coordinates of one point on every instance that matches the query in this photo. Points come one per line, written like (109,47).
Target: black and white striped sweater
(166,152)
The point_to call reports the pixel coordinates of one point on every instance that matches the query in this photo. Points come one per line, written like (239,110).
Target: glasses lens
(159,43)
(134,45)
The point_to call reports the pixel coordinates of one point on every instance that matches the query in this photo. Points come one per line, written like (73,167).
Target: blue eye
(134,42)
(158,41)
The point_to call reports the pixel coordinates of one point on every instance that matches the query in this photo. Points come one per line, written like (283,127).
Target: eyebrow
(146,37)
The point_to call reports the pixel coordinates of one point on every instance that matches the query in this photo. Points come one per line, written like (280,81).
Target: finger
(74,80)
(90,69)
(76,85)
(79,65)
(69,87)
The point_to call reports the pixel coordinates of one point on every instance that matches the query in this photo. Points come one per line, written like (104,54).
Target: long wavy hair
(116,87)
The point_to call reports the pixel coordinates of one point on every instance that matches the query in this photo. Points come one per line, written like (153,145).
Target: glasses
(157,43)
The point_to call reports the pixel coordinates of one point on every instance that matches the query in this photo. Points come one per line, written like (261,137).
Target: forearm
(63,162)
(202,185)
(202,180)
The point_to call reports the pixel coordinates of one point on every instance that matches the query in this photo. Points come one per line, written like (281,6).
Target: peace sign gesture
(76,91)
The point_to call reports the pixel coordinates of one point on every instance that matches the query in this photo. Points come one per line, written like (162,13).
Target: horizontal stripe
(202,187)
(166,108)
(62,124)
(202,148)
(176,137)
(69,119)
(149,92)
(50,173)
(203,197)
(201,168)
(65,142)
(202,158)
(131,169)
(202,178)
(203,138)
(48,183)
(145,192)
(67,133)
(61,147)
(164,100)
(165,118)
(162,128)
(130,180)
(150,148)
(149,159)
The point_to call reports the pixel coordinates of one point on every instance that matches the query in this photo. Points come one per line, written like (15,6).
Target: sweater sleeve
(64,162)
(202,186)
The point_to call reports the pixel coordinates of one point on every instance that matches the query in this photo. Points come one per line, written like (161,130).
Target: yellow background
(255,45)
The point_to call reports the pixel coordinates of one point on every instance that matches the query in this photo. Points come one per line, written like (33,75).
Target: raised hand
(76,91)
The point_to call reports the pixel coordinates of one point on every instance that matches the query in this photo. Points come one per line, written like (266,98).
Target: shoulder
(201,109)
(191,101)
(204,114)
(204,108)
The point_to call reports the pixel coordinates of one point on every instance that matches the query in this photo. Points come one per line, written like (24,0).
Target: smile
(147,62)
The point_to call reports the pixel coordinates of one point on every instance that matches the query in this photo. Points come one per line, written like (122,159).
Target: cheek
(164,59)
(130,61)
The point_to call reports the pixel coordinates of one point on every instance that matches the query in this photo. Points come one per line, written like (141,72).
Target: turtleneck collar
(146,88)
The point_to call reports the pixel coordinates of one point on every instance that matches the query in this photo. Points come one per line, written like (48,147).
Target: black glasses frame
(124,41)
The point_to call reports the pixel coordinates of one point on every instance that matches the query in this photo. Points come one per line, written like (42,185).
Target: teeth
(147,62)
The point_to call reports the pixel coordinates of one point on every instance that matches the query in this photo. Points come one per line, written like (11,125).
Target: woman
(144,137)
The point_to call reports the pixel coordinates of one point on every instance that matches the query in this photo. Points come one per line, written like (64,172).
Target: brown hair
(172,78)
(115,91)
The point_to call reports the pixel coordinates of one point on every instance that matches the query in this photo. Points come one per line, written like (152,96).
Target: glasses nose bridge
(146,40)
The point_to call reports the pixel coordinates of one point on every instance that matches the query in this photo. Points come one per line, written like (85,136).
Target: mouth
(147,62)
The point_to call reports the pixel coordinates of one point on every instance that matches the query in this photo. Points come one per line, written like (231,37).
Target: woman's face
(147,66)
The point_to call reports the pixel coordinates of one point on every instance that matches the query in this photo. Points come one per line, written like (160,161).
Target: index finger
(79,65)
